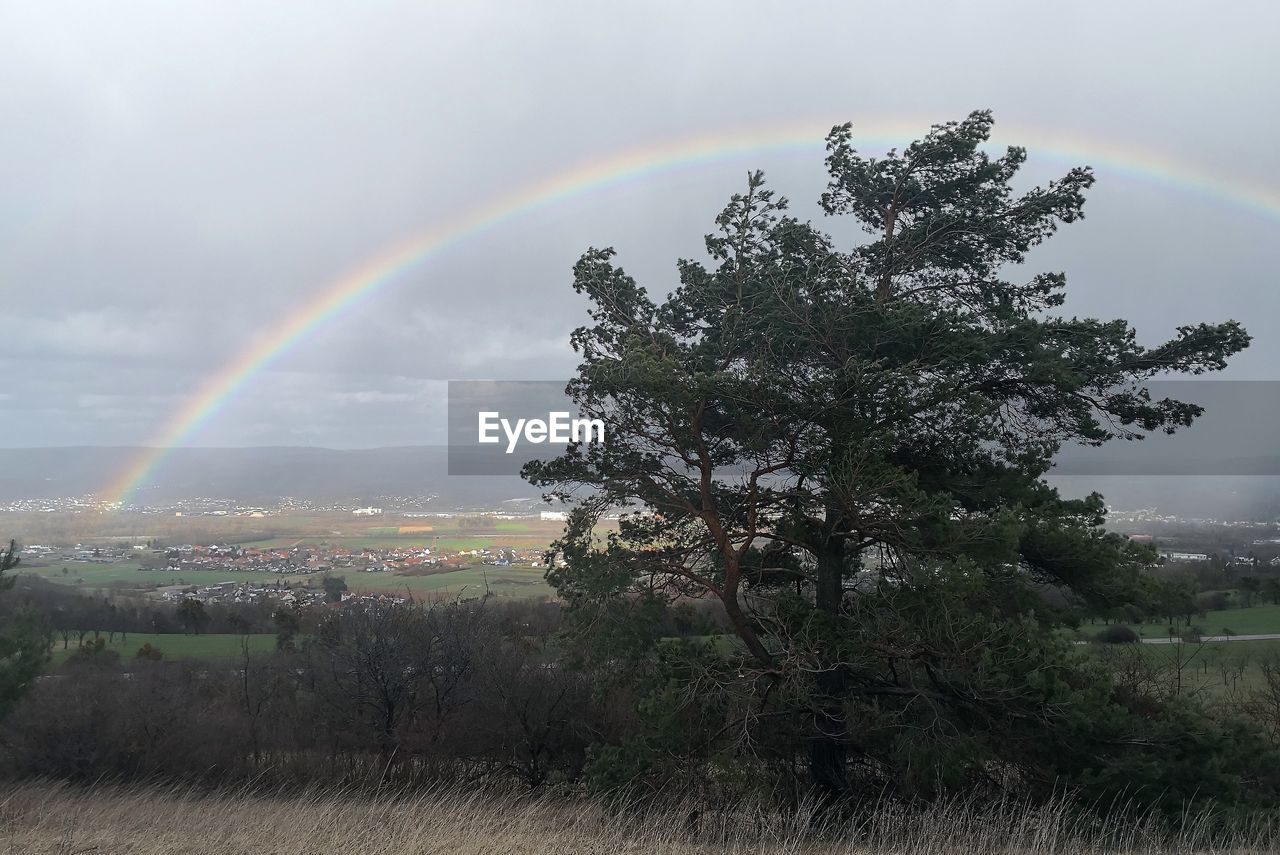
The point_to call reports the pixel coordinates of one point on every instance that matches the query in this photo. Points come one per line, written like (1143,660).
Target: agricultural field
(276,528)
(444,536)
(448,535)
(524,582)
(447,543)
(178,645)
(514,581)
(126,575)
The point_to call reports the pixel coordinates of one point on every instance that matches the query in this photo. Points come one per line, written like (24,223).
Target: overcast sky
(178,177)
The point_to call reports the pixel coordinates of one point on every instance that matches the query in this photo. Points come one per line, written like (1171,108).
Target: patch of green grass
(518,581)
(372,541)
(94,576)
(175,646)
(1216,669)
(1257,620)
(526,582)
(723,643)
(280,542)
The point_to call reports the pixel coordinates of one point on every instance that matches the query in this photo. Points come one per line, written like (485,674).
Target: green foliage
(192,615)
(846,448)
(23,648)
(288,624)
(94,651)
(147,652)
(334,587)
(1117,633)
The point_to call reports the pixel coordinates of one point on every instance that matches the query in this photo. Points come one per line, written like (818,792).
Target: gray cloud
(178,178)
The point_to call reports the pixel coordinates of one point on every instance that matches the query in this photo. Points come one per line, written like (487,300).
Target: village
(323,558)
(296,573)
(319,560)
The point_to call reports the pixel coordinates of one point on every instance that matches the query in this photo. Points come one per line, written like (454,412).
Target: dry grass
(50,818)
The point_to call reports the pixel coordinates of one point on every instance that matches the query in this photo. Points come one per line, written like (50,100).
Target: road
(1213,638)
(1275,636)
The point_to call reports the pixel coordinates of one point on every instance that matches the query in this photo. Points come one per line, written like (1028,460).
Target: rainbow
(619,169)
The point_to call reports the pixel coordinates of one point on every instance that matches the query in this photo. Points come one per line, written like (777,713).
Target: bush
(146,651)
(1117,633)
(1214,601)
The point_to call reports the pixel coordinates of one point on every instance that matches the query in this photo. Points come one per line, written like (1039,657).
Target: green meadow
(1223,669)
(373,541)
(124,575)
(525,582)
(176,645)
(1256,620)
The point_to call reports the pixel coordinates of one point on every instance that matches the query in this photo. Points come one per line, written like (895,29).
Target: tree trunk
(827,746)
(742,626)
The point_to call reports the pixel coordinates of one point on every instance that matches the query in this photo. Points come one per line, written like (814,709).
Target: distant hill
(264,475)
(1222,497)
(254,475)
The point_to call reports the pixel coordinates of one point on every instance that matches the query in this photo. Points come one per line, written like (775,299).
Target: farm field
(126,575)
(281,529)
(527,582)
(501,581)
(178,645)
(444,542)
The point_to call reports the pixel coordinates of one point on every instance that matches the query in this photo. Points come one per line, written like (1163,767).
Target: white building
(367,512)
(557,516)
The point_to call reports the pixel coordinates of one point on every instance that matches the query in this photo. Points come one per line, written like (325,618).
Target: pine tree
(847,449)
(23,651)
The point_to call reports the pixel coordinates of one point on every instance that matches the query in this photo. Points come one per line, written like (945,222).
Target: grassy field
(334,529)
(500,581)
(125,575)
(177,646)
(445,534)
(446,542)
(1219,668)
(1257,620)
(44,819)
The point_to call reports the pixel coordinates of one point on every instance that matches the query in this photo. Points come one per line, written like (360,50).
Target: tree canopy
(846,447)
(23,648)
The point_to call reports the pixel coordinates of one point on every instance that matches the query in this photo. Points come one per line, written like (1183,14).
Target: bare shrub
(45,818)
(1117,633)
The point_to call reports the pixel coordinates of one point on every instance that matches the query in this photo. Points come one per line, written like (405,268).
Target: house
(1185,556)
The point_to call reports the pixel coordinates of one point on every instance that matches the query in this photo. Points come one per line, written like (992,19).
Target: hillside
(262,474)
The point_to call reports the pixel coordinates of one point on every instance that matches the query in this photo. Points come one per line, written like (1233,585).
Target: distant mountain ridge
(252,475)
(263,475)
